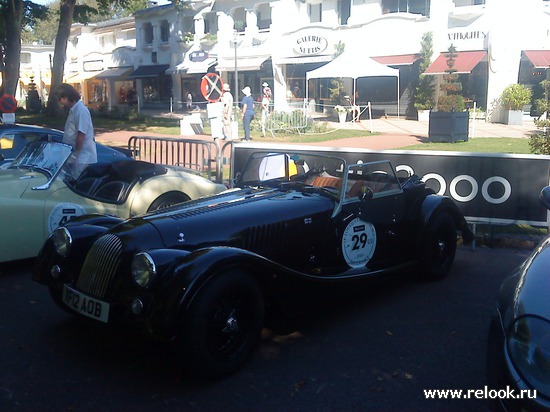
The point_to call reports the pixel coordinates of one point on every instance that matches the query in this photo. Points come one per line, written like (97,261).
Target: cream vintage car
(37,194)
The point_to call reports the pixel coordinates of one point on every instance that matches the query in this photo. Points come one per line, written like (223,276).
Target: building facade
(498,43)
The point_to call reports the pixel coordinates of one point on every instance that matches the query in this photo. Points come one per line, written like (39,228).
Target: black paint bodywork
(524,295)
(282,231)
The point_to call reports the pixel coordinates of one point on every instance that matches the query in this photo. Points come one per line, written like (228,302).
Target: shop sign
(198,56)
(463,39)
(310,44)
(93,65)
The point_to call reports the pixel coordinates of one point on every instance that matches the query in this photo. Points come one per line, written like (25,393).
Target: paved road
(373,349)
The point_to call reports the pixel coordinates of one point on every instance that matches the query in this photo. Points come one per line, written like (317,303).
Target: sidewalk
(392,133)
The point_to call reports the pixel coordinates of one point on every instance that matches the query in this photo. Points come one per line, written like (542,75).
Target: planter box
(449,127)
(513,117)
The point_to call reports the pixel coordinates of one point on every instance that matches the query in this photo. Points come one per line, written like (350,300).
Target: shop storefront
(153,86)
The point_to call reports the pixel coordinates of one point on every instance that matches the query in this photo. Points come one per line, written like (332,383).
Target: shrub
(515,96)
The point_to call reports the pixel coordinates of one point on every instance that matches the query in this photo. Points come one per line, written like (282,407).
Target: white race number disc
(62,213)
(358,243)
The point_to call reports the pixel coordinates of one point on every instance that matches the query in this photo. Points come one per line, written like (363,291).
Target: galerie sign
(309,44)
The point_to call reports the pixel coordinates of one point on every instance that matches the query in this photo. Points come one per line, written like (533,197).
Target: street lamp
(235,42)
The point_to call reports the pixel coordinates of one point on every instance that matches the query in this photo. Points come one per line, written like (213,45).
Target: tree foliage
(424,91)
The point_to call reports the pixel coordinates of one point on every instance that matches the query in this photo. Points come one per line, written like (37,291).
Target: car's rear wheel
(438,248)
(168,199)
(223,325)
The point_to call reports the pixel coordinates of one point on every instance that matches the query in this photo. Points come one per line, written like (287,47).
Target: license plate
(85,305)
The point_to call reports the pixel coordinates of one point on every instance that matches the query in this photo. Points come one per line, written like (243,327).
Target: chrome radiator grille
(100,266)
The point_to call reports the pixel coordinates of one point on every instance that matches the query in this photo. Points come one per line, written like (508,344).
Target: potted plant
(342,112)
(512,100)
(450,122)
(423,97)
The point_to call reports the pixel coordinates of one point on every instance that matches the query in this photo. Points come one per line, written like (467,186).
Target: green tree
(423,96)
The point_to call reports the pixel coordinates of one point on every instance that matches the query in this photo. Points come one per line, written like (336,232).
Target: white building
(99,58)
(499,42)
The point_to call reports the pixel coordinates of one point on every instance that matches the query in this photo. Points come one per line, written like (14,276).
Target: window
(344,10)
(264,16)
(148,33)
(164,31)
(460,3)
(406,6)
(315,12)
(154,57)
(239,17)
(25,57)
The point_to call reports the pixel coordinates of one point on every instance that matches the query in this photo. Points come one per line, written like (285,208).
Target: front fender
(181,280)
(433,204)
(83,235)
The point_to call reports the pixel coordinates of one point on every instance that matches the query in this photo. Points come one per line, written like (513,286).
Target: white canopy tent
(350,64)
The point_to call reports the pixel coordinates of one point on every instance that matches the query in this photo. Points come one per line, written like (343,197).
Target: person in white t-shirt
(79,129)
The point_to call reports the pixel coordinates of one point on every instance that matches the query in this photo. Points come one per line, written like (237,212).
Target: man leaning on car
(79,130)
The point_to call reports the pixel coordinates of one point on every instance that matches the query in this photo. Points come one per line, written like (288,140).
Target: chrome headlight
(62,241)
(144,269)
(529,350)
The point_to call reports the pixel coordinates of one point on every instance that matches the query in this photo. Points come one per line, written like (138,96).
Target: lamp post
(235,42)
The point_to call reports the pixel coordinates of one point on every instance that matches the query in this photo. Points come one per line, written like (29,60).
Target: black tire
(222,328)
(168,199)
(438,248)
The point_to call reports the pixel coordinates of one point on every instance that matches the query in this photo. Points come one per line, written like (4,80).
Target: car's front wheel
(438,248)
(223,325)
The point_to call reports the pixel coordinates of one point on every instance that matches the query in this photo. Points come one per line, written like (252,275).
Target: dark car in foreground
(14,138)
(209,274)
(518,350)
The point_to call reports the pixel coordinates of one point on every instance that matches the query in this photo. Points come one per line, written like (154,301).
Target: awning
(80,77)
(148,71)
(243,64)
(188,67)
(465,62)
(119,73)
(304,59)
(539,58)
(397,60)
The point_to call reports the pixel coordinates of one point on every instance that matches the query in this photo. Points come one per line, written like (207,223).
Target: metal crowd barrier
(199,155)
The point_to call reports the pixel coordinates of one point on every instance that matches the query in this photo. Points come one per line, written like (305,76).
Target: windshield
(46,157)
(274,168)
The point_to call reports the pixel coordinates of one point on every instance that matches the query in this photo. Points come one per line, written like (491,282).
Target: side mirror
(545,197)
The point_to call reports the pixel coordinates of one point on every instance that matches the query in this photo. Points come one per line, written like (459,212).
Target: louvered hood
(262,221)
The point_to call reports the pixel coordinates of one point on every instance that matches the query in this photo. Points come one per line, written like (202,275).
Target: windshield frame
(47,158)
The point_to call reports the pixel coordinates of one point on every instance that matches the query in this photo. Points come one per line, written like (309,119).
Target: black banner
(487,187)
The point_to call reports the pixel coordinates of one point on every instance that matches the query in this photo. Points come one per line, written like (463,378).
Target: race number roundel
(211,87)
(62,213)
(8,104)
(358,243)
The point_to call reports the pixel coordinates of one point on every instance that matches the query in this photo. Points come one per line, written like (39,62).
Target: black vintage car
(518,350)
(209,274)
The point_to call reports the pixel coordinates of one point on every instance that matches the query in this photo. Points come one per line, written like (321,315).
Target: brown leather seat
(327,181)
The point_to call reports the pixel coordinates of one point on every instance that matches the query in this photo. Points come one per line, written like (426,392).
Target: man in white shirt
(79,130)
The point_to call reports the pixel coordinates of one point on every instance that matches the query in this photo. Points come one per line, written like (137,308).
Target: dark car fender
(184,278)
(433,205)
(84,229)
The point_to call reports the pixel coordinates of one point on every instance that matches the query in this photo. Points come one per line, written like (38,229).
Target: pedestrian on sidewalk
(79,130)
(227,107)
(247,106)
